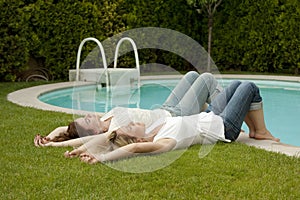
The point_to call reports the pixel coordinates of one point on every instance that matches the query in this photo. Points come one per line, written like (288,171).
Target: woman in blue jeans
(222,121)
(190,96)
(241,101)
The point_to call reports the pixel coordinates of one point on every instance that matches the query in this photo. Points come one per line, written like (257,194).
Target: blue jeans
(191,93)
(233,103)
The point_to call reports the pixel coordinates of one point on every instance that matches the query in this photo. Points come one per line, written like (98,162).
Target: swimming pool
(281,102)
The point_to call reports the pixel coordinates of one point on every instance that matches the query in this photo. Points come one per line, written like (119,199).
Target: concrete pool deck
(28,97)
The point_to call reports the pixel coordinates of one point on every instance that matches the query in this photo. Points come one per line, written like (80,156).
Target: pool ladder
(106,69)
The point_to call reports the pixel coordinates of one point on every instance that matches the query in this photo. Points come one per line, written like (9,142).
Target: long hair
(121,139)
(71,133)
(74,131)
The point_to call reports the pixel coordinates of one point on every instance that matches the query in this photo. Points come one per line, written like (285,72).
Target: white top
(123,116)
(203,128)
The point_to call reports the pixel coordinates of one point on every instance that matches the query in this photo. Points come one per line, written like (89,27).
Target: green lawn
(230,171)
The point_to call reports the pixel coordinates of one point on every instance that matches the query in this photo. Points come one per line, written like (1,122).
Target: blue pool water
(281,102)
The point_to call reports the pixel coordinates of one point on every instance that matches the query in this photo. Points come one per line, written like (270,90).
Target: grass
(230,171)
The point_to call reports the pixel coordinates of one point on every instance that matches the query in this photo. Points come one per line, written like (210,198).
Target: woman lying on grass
(222,121)
(189,97)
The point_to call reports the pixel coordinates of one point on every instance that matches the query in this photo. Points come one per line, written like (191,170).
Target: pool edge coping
(28,97)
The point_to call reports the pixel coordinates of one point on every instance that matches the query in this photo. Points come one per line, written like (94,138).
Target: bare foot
(263,136)
(252,134)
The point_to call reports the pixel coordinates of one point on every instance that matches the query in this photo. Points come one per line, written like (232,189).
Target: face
(91,123)
(133,129)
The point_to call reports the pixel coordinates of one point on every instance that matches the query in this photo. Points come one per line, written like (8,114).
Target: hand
(40,141)
(71,154)
(87,158)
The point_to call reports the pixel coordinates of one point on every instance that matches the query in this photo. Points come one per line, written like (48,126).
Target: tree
(210,7)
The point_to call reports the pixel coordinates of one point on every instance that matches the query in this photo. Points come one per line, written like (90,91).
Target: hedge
(258,36)
(52,33)
(249,35)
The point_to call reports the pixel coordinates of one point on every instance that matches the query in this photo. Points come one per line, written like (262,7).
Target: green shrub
(14,46)
(260,36)
(61,26)
(47,33)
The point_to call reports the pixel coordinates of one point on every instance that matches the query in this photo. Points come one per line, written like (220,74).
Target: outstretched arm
(163,145)
(40,140)
(70,143)
(92,144)
(57,132)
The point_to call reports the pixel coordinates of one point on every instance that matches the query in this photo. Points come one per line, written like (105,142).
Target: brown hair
(71,133)
(121,139)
